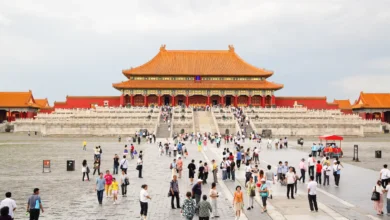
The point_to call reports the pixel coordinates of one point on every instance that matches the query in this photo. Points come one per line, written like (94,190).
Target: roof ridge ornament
(231,48)
(162,48)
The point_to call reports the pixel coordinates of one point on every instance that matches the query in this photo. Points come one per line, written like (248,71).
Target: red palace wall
(88,101)
(310,103)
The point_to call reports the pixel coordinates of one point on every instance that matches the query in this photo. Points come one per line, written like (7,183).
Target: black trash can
(70,165)
(378,154)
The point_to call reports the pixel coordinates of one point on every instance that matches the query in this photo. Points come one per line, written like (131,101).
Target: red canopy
(331,138)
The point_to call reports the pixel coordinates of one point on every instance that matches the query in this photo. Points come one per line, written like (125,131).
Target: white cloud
(370,83)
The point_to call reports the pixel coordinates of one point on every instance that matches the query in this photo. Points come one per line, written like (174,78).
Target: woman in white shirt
(378,205)
(144,198)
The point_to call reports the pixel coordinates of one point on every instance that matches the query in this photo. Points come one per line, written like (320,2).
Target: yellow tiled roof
(373,100)
(17,100)
(197,62)
(343,104)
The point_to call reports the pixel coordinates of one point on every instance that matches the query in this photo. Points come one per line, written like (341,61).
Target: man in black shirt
(233,169)
(191,171)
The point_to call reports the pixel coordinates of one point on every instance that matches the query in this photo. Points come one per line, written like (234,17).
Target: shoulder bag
(375,195)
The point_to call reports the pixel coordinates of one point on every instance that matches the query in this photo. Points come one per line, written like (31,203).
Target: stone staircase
(162,130)
(204,122)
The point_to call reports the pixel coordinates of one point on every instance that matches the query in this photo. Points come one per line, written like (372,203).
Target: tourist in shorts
(238,202)
(115,188)
(108,187)
(264,193)
(34,205)
(85,170)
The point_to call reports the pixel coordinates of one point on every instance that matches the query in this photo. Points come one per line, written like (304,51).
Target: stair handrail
(173,116)
(193,121)
(158,122)
(215,122)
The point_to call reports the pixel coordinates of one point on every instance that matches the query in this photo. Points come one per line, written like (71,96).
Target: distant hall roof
(17,100)
(373,100)
(197,62)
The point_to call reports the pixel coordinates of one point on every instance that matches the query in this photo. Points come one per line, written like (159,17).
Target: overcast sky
(78,47)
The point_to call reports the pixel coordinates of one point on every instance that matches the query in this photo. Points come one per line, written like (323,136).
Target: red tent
(331,138)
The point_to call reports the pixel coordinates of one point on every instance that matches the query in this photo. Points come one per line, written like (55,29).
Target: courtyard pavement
(65,196)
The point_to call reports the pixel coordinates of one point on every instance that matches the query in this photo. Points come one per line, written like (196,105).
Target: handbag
(375,195)
(88,170)
(252,193)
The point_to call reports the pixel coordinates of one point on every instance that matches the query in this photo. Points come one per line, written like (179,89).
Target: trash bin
(378,154)
(70,165)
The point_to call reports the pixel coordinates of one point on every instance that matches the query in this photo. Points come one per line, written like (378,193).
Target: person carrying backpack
(188,207)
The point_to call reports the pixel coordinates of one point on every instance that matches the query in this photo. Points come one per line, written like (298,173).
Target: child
(115,188)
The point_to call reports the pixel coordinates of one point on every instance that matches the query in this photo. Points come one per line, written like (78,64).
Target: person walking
(191,171)
(312,194)
(116,164)
(238,159)
(214,200)
(85,170)
(387,190)
(143,200)
(4,213)
(205,173)
(188,207)
(84,145)
(224,169)
(303,168)
(96,166)
(10,203)
(264,194)
(204,209)
(238,202)
(378,204)
(174,190)
(173,167)
(215,171)
(124,164)
(251,192)
(233,169)
(337,172)
(107,187)
(34,205)
(139,166)
(318,172)
(310,164)
(99,187)
(290,178)
(197,191)
(179,165)
(384,175)
(326,169)
(124,183)
(115,188)
(269,179)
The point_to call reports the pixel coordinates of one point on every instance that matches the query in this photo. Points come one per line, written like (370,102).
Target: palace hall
(197,78)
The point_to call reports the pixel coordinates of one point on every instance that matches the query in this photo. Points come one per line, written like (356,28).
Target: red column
(187,101)
(383,116)
(9,115)
(132,100)
(235,101)
(29,115)
(222,101)
(121,100)
(272,100)
(145,100)
(263,101)
(249,100)
(173,100)
(159,100)
(208,100)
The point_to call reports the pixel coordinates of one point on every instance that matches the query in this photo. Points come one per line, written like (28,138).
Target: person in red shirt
(108,178)
(318,172)
(132,151)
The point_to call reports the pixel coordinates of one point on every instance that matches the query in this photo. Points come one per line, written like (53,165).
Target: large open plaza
(66,196)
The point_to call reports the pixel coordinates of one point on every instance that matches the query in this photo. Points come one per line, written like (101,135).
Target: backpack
(170,166)
(127,181)
(221,166)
